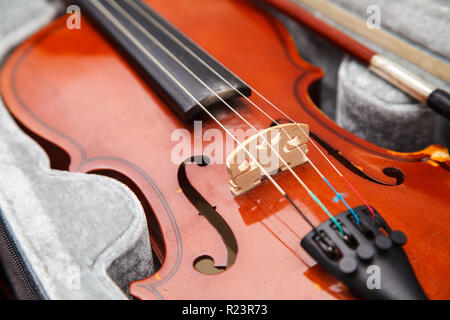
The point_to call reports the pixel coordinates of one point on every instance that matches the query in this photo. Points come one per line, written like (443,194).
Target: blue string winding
(327,212)
(339,197)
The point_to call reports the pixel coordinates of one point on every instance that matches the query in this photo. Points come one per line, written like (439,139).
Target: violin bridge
(289,142)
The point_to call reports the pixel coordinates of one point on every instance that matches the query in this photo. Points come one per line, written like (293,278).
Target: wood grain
(74,89)
(382,38)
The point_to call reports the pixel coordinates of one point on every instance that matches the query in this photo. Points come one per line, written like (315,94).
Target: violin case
(75,236)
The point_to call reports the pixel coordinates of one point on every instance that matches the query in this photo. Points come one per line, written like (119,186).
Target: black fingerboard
(145,39)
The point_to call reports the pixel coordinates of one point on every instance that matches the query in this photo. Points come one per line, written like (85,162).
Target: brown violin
(203,109)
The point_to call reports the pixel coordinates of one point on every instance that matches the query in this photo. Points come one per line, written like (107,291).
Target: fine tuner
(312,206)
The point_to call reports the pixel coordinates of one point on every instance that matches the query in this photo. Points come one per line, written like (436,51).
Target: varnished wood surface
(75,90)
(339,38)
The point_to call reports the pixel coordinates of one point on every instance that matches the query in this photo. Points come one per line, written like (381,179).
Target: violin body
(75,90)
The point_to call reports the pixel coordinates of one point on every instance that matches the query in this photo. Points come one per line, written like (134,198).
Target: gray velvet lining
(71,227)
(81,236)
(375,110)
(366,105)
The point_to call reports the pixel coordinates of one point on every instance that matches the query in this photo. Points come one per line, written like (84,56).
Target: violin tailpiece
(288,141)
(368,257)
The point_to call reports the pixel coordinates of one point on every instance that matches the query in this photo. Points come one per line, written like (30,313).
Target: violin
(152,92)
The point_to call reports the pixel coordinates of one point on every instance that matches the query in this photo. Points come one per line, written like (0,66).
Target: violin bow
(436,99)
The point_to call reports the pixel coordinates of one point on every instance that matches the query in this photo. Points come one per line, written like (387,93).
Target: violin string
(168,33)
(339,196)
(110,17)
(162,47)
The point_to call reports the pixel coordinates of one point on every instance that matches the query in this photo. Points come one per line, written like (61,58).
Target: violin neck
(185,76)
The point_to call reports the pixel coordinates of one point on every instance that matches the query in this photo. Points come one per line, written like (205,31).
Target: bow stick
(436,99)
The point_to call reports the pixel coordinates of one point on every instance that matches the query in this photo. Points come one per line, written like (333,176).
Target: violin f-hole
(391,172)
(205,263)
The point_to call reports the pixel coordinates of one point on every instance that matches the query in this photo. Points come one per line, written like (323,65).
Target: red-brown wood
(73,89)
(339,38)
